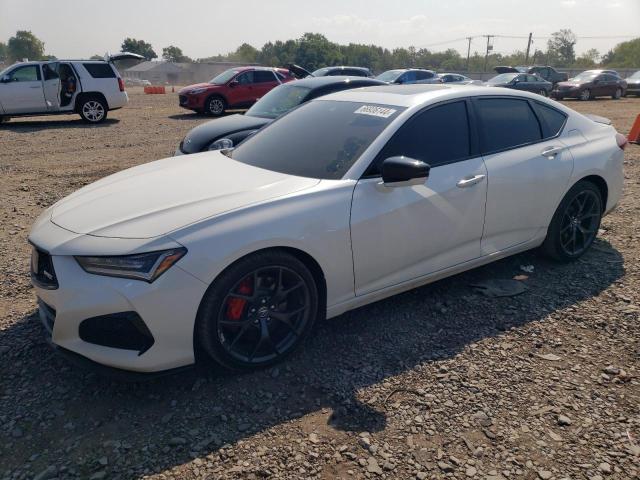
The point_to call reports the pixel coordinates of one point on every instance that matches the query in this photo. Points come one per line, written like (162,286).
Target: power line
(537,37)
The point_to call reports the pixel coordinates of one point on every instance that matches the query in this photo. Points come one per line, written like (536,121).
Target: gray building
(161,73)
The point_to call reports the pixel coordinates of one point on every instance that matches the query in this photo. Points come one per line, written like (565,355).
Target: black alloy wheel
(576,222)
(258,313)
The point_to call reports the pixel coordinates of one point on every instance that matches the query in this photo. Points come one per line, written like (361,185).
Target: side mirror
(399,81)
(234,83)
(404,171)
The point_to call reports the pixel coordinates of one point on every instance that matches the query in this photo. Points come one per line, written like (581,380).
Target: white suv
(88,87)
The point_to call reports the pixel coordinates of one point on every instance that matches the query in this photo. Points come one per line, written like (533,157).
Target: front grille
(125,330)
(183,99)
(43,274)
(47,316)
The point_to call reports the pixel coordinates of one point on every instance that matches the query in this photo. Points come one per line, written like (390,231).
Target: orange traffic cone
(634,134)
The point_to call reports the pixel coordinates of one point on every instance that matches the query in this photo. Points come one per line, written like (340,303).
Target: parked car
(229,131)
(457,79)
(342,71)
(237,253)
(546,72)
(236,88)
(408,75)
(633,84)
(591,84)
(136,82)
(89,88)
(521,81)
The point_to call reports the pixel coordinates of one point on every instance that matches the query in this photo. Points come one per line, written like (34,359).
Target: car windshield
(389,75)
(224,77)
(503,78)
(278,101)
(636,76)
(320,139)
(584,76)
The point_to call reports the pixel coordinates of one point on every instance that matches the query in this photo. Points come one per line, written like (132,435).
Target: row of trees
(314,50)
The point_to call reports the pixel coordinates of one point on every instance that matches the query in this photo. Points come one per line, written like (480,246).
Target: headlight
(141,266)
(197,91)
(221,144)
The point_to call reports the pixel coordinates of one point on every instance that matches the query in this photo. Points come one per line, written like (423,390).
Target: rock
(243,427)
(17,432)
(98,475)
(421,476)
(313,438)
(551,357)
(563,420)
(103,461)
(50,472)
(373,467)
(471,471)
(611,370)
(545,474)
(604,467)
(445,467)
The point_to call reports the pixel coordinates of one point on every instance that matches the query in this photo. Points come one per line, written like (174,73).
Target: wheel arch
(602,186)
(84,95)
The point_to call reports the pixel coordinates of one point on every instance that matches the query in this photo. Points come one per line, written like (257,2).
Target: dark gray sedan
(521,81)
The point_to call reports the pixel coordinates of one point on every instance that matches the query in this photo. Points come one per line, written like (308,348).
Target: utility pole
(468,52)
(526,59)
(489,47)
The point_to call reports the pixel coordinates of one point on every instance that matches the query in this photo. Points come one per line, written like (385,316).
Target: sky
(201,28)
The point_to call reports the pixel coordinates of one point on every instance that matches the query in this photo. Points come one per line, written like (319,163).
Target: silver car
(457,79)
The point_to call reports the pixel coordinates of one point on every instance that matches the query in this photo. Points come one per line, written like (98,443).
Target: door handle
(470,181)
(551,152)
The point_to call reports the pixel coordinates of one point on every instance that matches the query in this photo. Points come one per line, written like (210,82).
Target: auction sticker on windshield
(375,111)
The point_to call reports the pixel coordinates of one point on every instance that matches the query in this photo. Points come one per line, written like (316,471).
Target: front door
(21,90)
(51,85)
(402,233)
(242,94)
(528,168)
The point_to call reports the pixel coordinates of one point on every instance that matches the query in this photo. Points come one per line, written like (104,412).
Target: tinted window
(29,73)
(262,76)
(319,139)
(552,120)
(409,77)
(99,70)
(354,72)
(49,72)
(389,75)
(532,78)
(436,136)
(423,75)
(245,78)
(506,123)
(503,78)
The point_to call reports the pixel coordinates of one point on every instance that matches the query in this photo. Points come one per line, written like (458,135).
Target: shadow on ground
(29,126)
(77,415)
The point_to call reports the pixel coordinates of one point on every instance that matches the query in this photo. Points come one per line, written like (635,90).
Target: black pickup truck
(550,74)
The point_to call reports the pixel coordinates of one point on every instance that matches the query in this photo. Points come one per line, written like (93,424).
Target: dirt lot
(438,382)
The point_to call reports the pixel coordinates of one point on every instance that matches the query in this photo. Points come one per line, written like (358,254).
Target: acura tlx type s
(345,200)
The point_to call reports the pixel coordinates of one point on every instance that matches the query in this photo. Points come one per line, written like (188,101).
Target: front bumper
(633,89)
(191,102)
(168,308)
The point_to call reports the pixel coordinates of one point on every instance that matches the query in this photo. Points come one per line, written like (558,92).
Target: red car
(235,88)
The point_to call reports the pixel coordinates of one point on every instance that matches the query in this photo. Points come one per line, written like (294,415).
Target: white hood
(158,197)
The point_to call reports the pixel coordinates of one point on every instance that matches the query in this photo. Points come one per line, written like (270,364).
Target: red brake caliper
(235,306)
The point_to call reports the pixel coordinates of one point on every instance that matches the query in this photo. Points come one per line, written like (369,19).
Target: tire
(93,109)
(215,106)
(544,93)
(617,94)
(273,314)
(4,119)
(575,223)
(585,95)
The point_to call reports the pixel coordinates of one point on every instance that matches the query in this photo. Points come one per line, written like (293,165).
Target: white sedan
(347,199)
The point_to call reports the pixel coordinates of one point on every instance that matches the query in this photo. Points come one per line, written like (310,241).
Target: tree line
(314,50)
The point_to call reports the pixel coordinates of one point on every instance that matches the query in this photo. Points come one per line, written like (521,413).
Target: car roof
(419,93)
(317,82)
(342,67)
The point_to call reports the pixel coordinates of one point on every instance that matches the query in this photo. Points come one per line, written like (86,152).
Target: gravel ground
(439,382)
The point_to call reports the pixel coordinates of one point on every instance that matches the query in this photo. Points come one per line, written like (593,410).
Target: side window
(506,123)
(245,78)
(552,120)
(49,72)
(436,136)
(408,77)
(99,70)
(263,76)
(28,73)
(423,75)
(354,73)
(532,78)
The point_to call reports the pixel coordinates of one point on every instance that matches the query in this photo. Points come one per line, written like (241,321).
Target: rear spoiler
(597,118)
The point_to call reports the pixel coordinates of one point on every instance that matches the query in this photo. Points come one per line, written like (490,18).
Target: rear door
(264,80)
(528,168)
(402,233)
(21,90)
(51,85)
